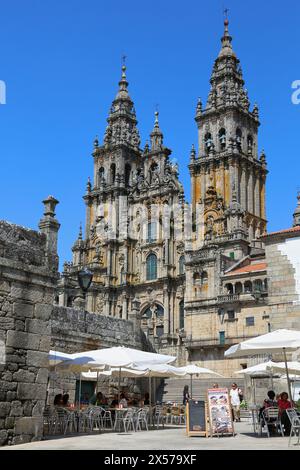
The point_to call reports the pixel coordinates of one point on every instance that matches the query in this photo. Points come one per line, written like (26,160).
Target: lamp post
(85,277)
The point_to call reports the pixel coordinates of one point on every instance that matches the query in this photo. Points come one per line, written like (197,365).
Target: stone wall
(28,277)
(283,260)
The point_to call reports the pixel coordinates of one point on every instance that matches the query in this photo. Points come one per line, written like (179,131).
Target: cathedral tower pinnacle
(228,143)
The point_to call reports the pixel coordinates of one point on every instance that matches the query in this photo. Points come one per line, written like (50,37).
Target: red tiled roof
(248,269)
(282,232)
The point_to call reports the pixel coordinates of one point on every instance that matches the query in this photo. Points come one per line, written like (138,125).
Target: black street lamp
(85,277)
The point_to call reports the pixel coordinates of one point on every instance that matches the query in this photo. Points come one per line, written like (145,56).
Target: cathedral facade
(195,274)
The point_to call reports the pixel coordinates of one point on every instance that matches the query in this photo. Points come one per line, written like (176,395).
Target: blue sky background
(61,63)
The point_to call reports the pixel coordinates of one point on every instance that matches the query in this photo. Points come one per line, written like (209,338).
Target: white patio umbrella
(280,367)
(115,357)
(141,370)
(275,342)
(192,370)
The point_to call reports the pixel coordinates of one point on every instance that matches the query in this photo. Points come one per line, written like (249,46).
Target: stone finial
(88,185)
(80,232)
(255,111)
(49,206)
(297,212)
(193,153)
(96,142)
(263,158)
(199,108)
(156,135)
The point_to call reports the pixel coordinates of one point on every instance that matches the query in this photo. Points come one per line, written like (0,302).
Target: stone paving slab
(164,439)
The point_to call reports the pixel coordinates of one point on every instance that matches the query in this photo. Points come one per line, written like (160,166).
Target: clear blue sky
(61,62)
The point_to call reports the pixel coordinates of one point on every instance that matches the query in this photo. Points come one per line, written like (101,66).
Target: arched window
(222,139)
(152,232)
(204,278)
(250,144)
(197,279)
(101,175)
(208,142)
(239,137)
(112,173)
(181,315)
(127,174)
(151,267)
(248,287)
(181,265)
(229,289)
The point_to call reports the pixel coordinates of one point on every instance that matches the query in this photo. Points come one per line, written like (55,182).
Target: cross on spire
(226,11)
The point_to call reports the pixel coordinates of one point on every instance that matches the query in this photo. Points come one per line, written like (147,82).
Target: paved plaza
(170,438)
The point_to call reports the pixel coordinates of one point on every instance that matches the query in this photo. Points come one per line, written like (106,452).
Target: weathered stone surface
(31,391)
(6,386)
(9,423)
(29,425)
(10,396)
(37,359)
(3,437)
(24,376)
(4,409)
(28,278)
(22,340)
(38,408)
(16,408)
(43,311)
(7,323)
(23,310)
(39,327)
(42,376)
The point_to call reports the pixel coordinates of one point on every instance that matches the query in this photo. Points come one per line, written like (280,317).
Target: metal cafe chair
(270,418)
(295,424)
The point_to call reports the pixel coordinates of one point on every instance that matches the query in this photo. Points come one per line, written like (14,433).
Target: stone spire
(227,83)
(297,213)
(156,135)
(122,123)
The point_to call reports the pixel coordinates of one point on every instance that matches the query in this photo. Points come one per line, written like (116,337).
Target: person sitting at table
(65,399)
(146,401)
(58,400)
(283,405)
(115,402)
(269,402)
(123,401)
(298,403)
(96,399)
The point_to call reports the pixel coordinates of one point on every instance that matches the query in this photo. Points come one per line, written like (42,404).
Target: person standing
(235,394)
(186,395)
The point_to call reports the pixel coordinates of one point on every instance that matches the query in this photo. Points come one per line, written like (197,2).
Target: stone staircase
(172,389)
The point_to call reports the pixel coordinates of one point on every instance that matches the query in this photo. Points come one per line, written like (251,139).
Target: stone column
(257,194)
(250,192)
(167,311)
(244,188)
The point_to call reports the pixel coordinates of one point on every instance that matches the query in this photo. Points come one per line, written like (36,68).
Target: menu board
(219,410)
(196,418)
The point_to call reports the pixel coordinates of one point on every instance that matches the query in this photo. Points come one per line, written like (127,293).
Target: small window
(250,321)
(152,237)
(232,255)
(231,315)
(151,267)
(222,338)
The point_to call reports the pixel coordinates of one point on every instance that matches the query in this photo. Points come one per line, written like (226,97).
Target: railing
(229,298)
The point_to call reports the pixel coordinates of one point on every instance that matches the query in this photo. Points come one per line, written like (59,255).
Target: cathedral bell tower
(227,167)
